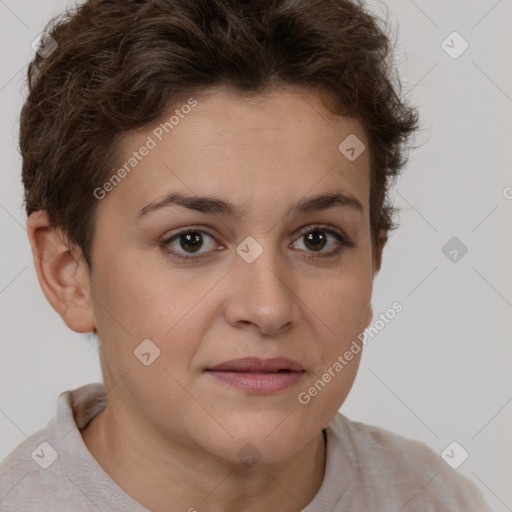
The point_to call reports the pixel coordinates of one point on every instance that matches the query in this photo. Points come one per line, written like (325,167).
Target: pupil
(315,237)
(193,238)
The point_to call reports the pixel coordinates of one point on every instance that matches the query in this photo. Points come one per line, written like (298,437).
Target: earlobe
(62,273)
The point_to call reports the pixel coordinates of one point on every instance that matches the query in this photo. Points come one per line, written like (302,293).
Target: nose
(261,293)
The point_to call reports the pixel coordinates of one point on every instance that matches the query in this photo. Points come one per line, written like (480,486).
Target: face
(266,279)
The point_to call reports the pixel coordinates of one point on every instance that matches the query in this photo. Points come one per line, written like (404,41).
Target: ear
(62,271)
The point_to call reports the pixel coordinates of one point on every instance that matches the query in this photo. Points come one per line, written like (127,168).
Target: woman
(206,190)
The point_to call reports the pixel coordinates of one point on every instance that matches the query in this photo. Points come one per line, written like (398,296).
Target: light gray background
(440,371)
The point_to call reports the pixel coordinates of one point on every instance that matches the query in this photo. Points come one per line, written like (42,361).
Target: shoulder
(20,460)
(26,475)
(40,473)
(409,467)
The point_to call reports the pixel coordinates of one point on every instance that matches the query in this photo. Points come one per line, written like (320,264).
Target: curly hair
(119,64)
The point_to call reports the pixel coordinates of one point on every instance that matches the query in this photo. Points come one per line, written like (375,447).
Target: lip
(259,376)
(255,364)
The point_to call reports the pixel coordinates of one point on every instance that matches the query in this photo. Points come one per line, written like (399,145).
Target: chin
(256,447)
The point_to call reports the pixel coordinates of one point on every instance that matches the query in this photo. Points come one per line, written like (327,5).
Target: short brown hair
(119,64)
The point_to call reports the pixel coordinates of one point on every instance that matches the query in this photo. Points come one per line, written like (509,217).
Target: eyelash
(340,237)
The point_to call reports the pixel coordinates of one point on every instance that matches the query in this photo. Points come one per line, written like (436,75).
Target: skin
(170,433)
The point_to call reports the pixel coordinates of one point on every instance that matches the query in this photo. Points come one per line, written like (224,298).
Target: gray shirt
(367,469)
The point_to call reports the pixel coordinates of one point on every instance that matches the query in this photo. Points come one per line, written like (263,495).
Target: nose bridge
(261,289)
(261,264)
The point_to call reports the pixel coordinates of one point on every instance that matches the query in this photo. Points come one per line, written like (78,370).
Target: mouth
(258,376)
(255,364)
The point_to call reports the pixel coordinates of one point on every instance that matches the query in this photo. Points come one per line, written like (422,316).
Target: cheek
(141,298)
(144,306)
(340,307)
(165,307)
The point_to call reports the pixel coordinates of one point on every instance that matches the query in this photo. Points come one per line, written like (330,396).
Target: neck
(179,476)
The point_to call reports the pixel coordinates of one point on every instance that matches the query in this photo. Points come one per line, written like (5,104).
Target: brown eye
(185,244)
(316,238)
(191,240)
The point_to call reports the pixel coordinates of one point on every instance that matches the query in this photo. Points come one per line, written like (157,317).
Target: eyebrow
(214,205)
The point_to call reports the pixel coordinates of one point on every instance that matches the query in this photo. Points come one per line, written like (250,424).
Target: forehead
(278,117)
(279,144)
